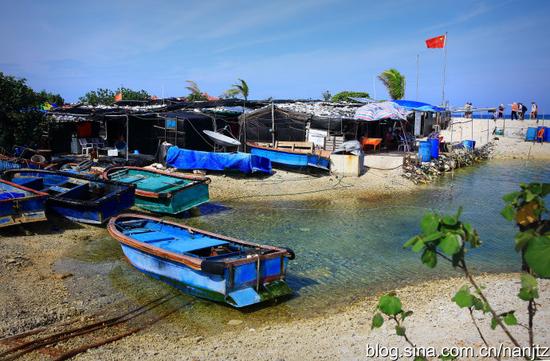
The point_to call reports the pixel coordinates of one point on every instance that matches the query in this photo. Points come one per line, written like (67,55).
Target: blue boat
(19,163)
(20,204)
(77,197)
(204,264)
(290,158)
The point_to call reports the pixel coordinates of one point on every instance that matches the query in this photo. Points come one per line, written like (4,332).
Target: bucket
(434,147)
(469,144)
(424,151)
(530,134)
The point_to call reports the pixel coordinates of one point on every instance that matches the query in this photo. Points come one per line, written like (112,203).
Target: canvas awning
(418,106)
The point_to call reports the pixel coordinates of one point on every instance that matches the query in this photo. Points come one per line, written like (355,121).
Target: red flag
(118,97)
(437,42)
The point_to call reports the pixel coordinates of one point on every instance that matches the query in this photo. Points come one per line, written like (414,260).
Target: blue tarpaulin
(193,159)
(420,106)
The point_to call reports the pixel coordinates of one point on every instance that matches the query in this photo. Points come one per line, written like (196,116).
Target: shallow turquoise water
(353,247)
(345,249)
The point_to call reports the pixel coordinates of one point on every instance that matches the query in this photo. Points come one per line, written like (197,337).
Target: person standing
(534,111)
(514,114)
(523,111)
(500,113)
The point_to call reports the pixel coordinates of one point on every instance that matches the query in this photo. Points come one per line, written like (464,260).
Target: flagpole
(417,66)
(444,72)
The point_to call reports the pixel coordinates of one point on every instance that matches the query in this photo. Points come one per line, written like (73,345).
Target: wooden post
(127,137)
(272,124)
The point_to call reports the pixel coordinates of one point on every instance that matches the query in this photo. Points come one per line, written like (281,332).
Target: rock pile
(425,172)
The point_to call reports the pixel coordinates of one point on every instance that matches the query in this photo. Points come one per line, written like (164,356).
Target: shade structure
(379,111)
(419,106)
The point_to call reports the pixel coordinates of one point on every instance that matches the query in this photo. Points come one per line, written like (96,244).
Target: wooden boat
(292,157)
(77,197)
(162,192)
(19,204)
(204,264)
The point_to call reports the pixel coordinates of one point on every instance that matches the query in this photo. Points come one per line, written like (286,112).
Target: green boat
(162,192)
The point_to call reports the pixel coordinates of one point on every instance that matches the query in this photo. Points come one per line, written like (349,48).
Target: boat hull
(208,286)
(180,201)
(27,209)
(291,159)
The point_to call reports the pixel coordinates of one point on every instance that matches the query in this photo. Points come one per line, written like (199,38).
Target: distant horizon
(497,52)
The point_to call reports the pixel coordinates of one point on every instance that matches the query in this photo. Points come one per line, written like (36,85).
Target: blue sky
(498,51)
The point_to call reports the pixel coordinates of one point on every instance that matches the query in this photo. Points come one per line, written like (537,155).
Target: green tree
(394,82)
(195,92)
(44,96)
(103,96)
(346,95)
(326,95)
(20,120)
(241,88)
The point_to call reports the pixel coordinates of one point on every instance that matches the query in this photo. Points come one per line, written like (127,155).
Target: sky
(497,51)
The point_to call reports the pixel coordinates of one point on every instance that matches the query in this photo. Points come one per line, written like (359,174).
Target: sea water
(350,248)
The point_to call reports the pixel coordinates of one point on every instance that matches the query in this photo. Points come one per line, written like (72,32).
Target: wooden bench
(305,147)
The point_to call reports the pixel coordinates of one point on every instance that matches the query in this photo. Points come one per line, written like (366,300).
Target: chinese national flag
(118,97)
(437,42)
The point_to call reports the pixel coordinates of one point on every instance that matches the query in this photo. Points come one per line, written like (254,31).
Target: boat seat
(130,179)
(138,231)
(152,237)
(58,189)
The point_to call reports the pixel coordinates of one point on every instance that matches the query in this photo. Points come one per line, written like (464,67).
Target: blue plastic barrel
(531,134)
(434,147)
(469,144)
(547,134)
(424,151)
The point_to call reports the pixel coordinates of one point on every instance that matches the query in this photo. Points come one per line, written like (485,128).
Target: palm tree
(242,88)
(195,91)
(394,82)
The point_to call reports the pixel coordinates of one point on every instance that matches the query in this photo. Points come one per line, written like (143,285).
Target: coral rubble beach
(41,287)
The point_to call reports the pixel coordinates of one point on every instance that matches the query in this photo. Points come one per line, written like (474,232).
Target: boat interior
(149,181)
(181,241)
(63,186)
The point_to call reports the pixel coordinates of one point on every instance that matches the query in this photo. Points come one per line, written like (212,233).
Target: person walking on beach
(534,111)
(540,134)
(514,114)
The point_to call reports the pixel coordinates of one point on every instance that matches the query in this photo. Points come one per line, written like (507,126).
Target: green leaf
(510,319)
(411,242)
(429,223)
(523,238)
(478,303)
(404,315)
(450,244)
(418,246)
(377,321)
(400,331)
(537,255)
(545,189)
(529,196)
(390,305)
(432,236)
(450,220)
(463,298)
(511,197)
(429,258)
(529,287)
(535,188)
(509,212)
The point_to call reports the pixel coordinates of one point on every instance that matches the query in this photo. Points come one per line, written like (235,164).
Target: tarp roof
(419,106)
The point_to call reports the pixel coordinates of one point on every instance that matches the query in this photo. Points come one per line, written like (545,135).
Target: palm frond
(394,82)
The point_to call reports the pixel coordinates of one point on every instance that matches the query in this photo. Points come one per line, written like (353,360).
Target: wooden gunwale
(193,262)
(148,194)
(254,145)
